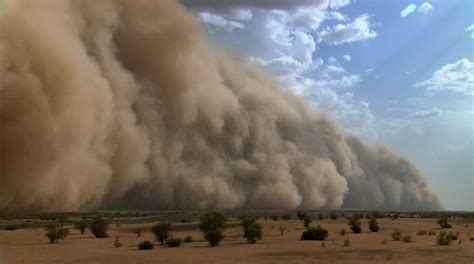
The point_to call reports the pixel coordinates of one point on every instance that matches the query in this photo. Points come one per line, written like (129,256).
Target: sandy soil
(31,246)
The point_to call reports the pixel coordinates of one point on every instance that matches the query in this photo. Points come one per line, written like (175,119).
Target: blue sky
(399,72)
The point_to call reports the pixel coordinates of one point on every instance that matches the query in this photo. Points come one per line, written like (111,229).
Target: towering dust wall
(124,104)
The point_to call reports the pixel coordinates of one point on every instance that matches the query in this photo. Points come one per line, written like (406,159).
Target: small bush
(347,242)
(354,224)
(443,222)
(421,233)
(282,229)
(286,217)
(396,235)
(214,237)
(55,232)
(314,233)
(252,230)
(162,231)
(145,245)
(452,236)
(81,226)
(99,227)
(334,216)
(443,239)
(117,242)
(342,232)
(11,227)
(407,239)
(174,242)
(188,239)
(138,232)
(274,218)
(431,233)
(373,225)
(471,238)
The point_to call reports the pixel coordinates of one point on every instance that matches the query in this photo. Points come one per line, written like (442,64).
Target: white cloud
(358,30)
(425,8)
(335,4)
(456,77)
(368,71)
(422,114)
(219,21)
(471,29)
(347,57)
(408,10)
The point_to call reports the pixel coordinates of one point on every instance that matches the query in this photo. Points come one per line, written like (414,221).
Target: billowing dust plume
(125,104)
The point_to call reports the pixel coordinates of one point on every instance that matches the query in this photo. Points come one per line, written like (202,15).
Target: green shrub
(214,237)
(174,242)
(162,231)
(314,233)
(301,215)
(354,224)
(443,239)
(252,230)
(342,232)
(145,245)
(99,227)
(188,239)
(373,225)
(55,232)
(443,222)
(396,235)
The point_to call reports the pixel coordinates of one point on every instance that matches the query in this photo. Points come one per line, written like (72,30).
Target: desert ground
(28,244)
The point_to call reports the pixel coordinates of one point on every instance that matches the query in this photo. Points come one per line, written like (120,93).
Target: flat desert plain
(29,245)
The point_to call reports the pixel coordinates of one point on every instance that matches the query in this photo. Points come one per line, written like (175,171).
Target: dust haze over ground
(125,104)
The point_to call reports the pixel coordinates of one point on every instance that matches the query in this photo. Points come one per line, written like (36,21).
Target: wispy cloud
(408,10)
(423,114)
(347,57)
(358,30)
(471,29)
(456,77)
(425,8)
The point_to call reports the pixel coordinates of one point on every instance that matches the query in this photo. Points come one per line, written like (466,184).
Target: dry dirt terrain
(29,245)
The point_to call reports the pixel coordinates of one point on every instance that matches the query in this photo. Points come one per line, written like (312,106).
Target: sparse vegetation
(373,225)
(307,220)
(396,235)
(421,233)
(443,222)
(188,239)
(145,245)
(174,242)
(334,215)
(138,232)
(162,231)
(99,227)
(55,232)
(342,232)
(407,239)
(252,230)
(282,229)
(117,242)
(81,226)
(11,227)
(443,239)
(314,233)
(347,242)
(214,237)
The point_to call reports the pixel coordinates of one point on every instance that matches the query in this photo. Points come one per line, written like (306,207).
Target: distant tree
(373,225)
(99,227)
(354,223)
(213,225)
(55,232)
(145,245)
(333,215)
(252,230)
(162,231)
(301,215)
